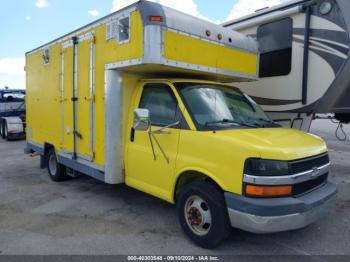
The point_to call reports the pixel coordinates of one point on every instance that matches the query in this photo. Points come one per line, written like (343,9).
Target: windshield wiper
(263,120)
(228,121)
(266,120)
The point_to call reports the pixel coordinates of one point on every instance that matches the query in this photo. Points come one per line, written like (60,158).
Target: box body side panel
(43,82)
(50,89)
(187,49)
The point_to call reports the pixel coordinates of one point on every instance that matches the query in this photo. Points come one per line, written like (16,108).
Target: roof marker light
(155,18)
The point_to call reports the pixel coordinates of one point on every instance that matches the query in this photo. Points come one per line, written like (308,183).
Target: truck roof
(173,19)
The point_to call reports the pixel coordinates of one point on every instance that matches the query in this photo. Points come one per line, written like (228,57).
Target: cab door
(151,158)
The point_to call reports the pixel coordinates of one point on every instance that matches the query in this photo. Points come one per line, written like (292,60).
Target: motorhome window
(275,43)
(161,102)
(124,30)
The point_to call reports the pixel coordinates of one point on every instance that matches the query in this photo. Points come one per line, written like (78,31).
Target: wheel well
(47,148)
(189,177)
(43,158)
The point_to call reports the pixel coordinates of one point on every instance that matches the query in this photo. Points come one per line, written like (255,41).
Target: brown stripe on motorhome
(273,102)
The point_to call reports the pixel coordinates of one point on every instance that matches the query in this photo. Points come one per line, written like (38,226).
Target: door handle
(132,134)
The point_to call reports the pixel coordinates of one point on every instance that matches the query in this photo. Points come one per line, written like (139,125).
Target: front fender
(192,169)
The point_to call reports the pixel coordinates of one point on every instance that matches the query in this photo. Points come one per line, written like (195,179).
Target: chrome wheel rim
(53,164)
(198,215)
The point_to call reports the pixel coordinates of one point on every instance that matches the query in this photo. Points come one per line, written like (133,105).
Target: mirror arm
(152,136)
(165,127)
(160,147)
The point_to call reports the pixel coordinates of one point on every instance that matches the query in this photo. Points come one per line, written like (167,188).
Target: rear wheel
(203,214)
(56,171)
(1,129)
(5,128)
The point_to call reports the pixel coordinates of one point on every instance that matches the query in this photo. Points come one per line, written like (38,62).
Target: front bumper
(258,215)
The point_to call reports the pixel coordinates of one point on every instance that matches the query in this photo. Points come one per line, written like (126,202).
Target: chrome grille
(303,165)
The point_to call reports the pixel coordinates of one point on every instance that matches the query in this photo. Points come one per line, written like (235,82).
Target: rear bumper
(280,214)
(15,135)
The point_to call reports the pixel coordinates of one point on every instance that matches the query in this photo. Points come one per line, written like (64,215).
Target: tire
(5,130)
(57,172)
(1,129)
(203,214)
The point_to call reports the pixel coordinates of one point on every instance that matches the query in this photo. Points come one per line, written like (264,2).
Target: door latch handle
(79,135)
(132,135)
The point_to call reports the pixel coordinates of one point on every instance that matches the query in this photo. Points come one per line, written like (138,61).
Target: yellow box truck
(138,97)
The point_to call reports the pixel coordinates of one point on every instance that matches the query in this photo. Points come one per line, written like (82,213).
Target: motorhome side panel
(312,85)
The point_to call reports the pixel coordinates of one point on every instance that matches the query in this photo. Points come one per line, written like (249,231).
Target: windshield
(12,96)
(220,107)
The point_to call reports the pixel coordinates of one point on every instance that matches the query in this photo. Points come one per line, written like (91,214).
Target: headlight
(260,167)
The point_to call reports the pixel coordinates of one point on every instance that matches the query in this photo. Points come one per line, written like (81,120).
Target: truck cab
(213,151)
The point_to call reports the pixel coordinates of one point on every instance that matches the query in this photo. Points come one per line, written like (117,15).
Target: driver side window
(159,99)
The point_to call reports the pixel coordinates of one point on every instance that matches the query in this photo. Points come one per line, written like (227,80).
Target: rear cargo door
(85,98)
(78,97)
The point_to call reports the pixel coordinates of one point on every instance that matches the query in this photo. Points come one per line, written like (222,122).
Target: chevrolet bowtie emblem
(315,172)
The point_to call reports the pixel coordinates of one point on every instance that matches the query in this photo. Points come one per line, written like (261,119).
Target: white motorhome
(304,65)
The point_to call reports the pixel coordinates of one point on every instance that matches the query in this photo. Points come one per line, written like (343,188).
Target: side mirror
(142,121)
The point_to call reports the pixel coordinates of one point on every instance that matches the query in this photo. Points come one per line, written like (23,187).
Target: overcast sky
(26,24)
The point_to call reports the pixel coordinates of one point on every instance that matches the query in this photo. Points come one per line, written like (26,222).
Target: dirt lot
(84,216)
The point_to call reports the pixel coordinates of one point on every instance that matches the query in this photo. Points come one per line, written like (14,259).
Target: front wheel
(203,214)
(56,171)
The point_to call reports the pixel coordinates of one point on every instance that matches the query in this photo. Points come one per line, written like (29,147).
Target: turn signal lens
(155,18)
(268,191)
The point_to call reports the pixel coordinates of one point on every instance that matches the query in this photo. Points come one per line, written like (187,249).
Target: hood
(276,143)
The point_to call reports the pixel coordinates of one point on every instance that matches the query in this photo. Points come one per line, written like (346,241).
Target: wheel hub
(198,215)
(194,216)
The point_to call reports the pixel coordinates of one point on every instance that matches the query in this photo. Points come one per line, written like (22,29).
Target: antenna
(261,9)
